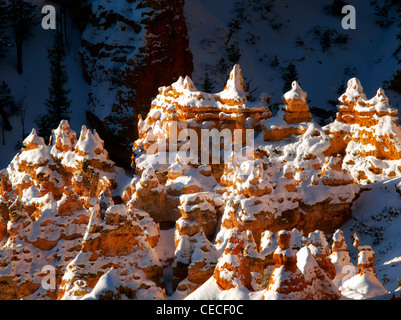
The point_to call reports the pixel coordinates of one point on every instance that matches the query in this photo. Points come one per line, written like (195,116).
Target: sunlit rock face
(293,174)
(57,208)
(366,135)
(251,196)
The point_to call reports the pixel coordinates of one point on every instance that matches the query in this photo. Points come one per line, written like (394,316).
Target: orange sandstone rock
(287,282)
(232,268)
(296,106)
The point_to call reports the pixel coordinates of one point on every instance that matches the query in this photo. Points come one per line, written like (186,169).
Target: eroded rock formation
(287,282)
(56,207)
(251,198)
(293,171)
(364,284)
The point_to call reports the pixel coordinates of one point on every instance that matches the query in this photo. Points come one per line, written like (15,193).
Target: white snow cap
(380,101)
(184,84)
(67,137)
(317,243)
(338,236)
(282,232)
(34,138)
(366,255)
(89,142)
(235,87)
(354,91)
(296,93)
(189,85)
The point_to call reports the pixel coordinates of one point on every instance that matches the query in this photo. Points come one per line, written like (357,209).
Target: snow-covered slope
(291,31)
(377,220)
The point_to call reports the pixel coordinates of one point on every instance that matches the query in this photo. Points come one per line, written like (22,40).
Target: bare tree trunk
(23,108)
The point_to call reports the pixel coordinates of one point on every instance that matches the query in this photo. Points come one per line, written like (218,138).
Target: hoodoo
(246,197)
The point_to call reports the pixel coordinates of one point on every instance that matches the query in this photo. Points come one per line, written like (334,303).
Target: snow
(31,192)
(235,86)
(165,246)
(210,290)
(362,287)
(319,72)
(89,143)
(354,92)
(296,93)
(379,227)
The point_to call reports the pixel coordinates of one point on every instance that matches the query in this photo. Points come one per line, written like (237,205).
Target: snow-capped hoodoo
(249,220)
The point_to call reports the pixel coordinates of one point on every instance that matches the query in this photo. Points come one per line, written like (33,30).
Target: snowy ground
(377,220)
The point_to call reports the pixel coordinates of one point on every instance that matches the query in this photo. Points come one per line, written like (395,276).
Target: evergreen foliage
(58,103)
(22,16)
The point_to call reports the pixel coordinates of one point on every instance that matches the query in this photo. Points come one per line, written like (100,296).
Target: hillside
(294,32)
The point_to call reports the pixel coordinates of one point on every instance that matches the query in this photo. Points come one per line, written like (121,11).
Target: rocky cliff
(293,173)
(128,51)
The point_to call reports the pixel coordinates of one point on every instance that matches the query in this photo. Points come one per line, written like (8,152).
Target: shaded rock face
(196,258)
(150,49)
(319,249)
(341,259)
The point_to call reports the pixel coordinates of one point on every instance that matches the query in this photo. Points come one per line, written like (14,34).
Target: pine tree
(58,104)
(395,82)
(233,53)
(275,63)
(326,40)
(7,108)
(289,76)
(3,24)
(234,26)
(335,8)
(22,16)
(207,84)
(61,19)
